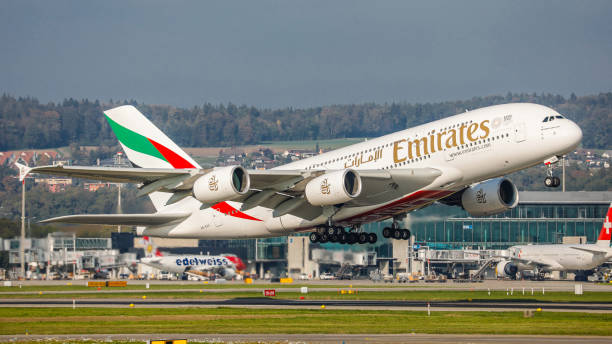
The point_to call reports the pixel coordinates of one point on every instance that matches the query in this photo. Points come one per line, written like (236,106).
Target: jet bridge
(455,263)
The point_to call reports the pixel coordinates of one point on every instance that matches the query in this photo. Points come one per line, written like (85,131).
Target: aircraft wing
(275,189)
(268,188)
(121,219)
(378,185)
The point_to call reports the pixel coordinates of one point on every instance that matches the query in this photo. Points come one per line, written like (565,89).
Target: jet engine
(491,197)
(221,184)
(505,269)
(333,188)
(226,273)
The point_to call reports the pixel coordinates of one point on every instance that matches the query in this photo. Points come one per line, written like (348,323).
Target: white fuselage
(182,263)
(468,148)
(559,257)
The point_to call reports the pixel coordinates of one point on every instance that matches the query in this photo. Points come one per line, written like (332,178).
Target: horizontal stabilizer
(114,174)
(120,219)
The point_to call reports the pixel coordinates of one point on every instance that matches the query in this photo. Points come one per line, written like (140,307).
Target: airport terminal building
(539,218)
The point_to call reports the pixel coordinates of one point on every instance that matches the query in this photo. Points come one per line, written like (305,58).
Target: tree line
(25,123)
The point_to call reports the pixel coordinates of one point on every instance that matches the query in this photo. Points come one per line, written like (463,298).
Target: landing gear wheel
(363,238)
(314,237)
(552,182)
(405,234)
(397,233)
(343,238)
(548,181)
(324,238)
(333,238)
(330,231)
(386,232)
(352,238)
(372,238)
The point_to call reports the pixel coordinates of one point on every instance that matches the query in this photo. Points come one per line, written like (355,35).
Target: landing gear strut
(551,181)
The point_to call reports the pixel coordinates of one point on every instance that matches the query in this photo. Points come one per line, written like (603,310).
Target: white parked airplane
(577,258)
(459,160)
(225,266)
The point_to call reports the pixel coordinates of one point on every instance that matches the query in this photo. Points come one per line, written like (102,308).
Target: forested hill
(26,123)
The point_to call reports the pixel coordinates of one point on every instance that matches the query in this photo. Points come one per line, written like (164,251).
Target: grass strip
(229,320)
(399,295)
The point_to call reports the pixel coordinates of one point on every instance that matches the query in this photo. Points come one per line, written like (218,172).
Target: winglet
(23,171)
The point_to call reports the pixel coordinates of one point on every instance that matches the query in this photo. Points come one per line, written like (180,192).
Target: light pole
(22,238)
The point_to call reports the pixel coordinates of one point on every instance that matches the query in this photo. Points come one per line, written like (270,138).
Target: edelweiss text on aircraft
(577,258)
(459,160)
(225,266)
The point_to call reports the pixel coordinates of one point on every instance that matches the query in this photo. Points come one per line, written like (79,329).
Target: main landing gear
(338,234)
(551,181)
(395,231)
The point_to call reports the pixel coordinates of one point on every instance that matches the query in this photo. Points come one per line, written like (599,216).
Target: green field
(231,320)
(399,295)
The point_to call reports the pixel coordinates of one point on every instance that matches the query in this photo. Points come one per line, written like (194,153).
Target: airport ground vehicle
(326,276)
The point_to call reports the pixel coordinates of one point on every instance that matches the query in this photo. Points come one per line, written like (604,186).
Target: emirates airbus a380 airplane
(459,160)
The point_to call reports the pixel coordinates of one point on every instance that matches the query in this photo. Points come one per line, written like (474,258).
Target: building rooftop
(568,197)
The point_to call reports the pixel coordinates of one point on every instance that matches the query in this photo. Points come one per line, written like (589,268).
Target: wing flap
(120,219)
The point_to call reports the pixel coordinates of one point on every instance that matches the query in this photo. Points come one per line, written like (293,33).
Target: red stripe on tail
(174,159)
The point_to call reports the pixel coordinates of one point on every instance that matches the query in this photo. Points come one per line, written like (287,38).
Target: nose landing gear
(551,181)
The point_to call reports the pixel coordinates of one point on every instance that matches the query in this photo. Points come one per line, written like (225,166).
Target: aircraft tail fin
(151,250)
(606,230)
(145,145)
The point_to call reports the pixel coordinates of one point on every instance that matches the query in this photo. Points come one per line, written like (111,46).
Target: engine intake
(333,188)
(491,197)
(221,184)
(505,269)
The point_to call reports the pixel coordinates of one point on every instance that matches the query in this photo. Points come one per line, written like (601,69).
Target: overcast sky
(302,53)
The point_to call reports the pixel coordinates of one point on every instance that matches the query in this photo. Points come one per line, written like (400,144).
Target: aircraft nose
(573,134)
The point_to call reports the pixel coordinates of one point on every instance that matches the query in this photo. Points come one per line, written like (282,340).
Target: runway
(475,305)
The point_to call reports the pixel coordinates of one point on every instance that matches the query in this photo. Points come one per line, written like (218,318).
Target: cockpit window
(559,117)
(545,119)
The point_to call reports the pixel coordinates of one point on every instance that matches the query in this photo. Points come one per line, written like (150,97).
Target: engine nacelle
(227,273)
(221,184)
(506,269)
(491,197)
(333,188)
